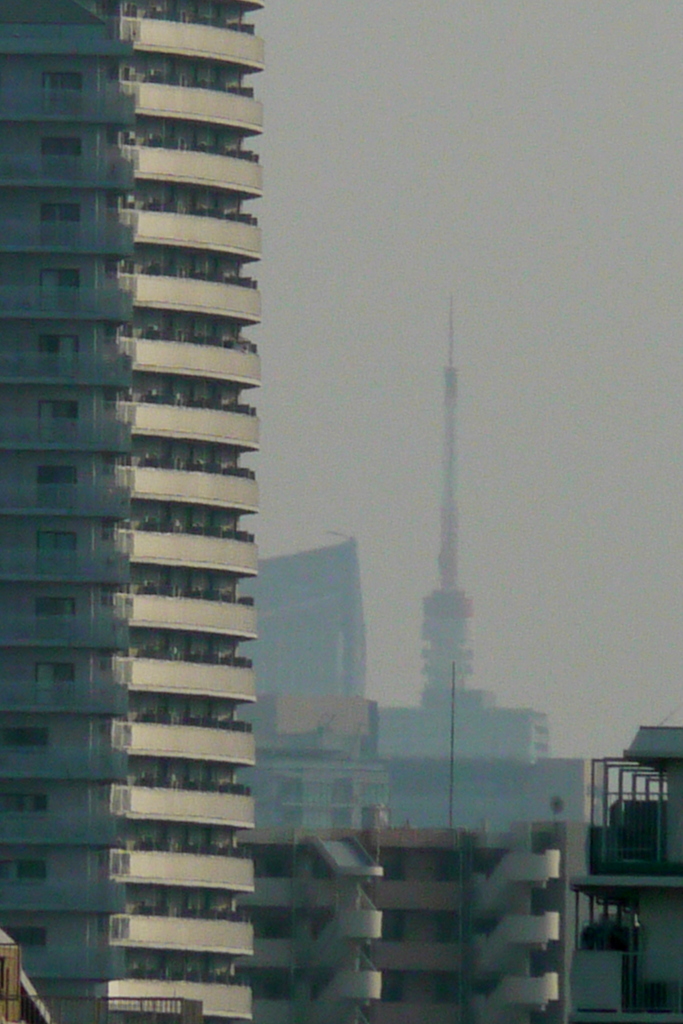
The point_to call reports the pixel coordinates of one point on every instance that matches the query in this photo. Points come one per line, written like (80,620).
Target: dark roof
(45,12)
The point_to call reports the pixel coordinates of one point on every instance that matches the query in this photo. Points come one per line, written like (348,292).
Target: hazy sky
(528,158)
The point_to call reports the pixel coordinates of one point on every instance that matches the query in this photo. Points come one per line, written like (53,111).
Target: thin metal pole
(452,761)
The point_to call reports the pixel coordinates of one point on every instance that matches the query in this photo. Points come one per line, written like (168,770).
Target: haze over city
(523,157)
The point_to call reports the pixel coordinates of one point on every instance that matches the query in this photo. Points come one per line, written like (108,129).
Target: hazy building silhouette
(311,626)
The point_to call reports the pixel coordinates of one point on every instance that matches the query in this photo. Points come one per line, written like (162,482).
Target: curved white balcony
(359,985)
(219,1000)
(208,105)
(195,232)
(185,549)
(196,614)
(518,866)
(364,923)
(203,488)
(214,425)
(185,869)
(196,296)
(192,678)
(187,805)
(148,739)
(194,360)
(534,993)
(526,930)
(236,937)
(185,165)
(196,41)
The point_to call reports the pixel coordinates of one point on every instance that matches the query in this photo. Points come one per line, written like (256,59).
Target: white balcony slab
(150,739)
(185,549)
(208,42)
(196,296)
(187,805)
(210,169)
(212,425)
(191,360)
(186,230)
(159,676)
(234,873)
(218,1000)
(208,105)
(184,613)
(204,488)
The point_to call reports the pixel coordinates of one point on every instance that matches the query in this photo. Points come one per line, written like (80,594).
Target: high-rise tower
(447,610)
(62,443)
(193,297)
(170,95)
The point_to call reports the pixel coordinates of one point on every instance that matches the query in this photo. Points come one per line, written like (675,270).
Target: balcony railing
(106,105)
(106,434)
(106,303)
(629,831)
(106,235)
(100,631)
(91,566)
(109,172)
(107,500)
(110,369)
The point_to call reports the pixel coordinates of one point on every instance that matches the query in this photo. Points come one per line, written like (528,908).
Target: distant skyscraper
(311,626)
(447,610)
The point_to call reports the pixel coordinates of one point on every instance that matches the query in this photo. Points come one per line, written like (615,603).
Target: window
(58,344)
(62,80)
(446,988)
(61,146)
(19,803)
(393,925)
(49,673)
(27,936)
(392,987)
(58,409)
(55,540)
(446,926)
(60,277)
(31,870)
(60,213)
(56,475)
(25,736)
(55,606)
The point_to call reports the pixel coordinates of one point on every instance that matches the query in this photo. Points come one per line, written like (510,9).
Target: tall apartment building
(185,65)
(451,927)
(61,378)
(628,962)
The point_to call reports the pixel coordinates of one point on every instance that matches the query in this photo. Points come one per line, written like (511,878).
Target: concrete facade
(125,331)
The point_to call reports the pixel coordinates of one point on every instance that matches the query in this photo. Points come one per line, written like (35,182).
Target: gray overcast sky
(527,157)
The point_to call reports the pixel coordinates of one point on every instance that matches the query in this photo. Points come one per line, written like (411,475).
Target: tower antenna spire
(448,550)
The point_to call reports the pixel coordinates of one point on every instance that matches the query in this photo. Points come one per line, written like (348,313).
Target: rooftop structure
(628,962)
